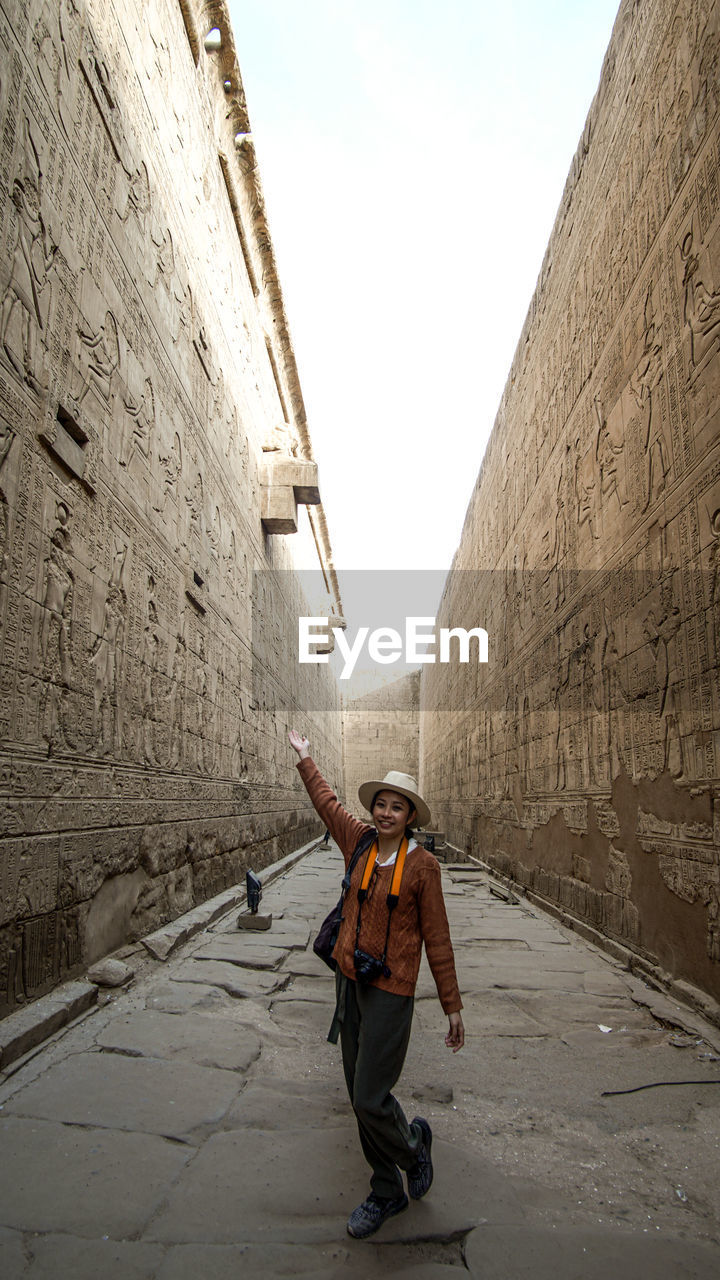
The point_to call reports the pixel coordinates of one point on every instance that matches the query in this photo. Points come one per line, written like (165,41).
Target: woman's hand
(455,1037)
(299,743)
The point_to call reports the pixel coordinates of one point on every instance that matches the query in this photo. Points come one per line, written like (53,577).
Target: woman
(378,956)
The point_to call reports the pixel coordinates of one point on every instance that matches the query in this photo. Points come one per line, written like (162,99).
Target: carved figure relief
(58,584)
(137,202)
(7,436)
(150,663)
(99,361)
(607,453)
(141,415)
(701,310)
(52,35)
(106,660)
(178,697)
(585,486)
(645,380)
(714,559)
(171,468)
(195,501)
(26,297)
(660,630)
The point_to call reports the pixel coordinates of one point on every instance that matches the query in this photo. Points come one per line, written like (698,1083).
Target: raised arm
(343,828)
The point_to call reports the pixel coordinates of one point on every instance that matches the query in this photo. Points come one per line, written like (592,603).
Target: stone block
(114,1180)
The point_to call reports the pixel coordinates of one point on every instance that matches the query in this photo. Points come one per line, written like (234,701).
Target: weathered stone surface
(27,1028)
(246,1184)
(276,1104)
(247,921)
(536,1253)
(12,1255)
(381,731)
(142,393)
(583,759)
(55,1256)
(207,1041)
(234,979)
(233,950)
(110,973)
(145,1095)
(109,1183)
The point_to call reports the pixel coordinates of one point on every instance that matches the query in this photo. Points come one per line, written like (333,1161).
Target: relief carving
(607,453)
(27,294)
(171,468)
(106,660)
(99,361)
(660,629)
(140,425)
(150,661)
(701,308)
(643,384)
(54,33)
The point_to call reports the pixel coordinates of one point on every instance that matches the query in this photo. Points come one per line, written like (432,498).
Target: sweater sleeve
(343,828)
(436,936)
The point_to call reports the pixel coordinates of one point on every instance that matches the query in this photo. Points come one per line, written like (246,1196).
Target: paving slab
(55,1257)
(12,1254)
(277,1104)
(532,1253)
(206,1041)
(238,982)
(179,998)
(233,949)
(305,964)
(361,1260)
(246,1185)
(144,1095)
(318,988)
(89,1182)
(496,1014)
(313,1017)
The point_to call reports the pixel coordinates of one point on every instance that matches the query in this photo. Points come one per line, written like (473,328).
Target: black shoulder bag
(324,944)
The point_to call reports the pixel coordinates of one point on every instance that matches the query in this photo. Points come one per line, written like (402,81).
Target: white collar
(412,844)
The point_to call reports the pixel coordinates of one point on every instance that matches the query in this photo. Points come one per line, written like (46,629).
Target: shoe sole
(392,1214)
(428,1145)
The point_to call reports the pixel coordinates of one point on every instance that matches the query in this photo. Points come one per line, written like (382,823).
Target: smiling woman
(394,905)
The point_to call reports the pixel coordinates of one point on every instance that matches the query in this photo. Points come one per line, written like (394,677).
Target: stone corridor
(196,1123)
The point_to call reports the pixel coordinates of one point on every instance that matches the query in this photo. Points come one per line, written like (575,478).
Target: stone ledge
(163,942)
(24,1030)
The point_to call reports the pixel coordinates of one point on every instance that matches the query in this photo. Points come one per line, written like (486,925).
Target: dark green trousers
(374,1035)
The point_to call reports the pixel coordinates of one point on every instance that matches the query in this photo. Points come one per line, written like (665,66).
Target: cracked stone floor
(196,1124)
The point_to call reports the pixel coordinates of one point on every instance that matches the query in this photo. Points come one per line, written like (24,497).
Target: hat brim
(369,789)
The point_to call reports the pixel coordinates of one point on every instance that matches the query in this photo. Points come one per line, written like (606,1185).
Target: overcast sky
(413,156)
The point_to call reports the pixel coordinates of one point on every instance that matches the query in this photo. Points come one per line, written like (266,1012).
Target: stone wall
(584,760)
(381,731)
(153,445)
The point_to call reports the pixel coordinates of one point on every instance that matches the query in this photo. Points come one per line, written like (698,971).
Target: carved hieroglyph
(585,759)
(139,731)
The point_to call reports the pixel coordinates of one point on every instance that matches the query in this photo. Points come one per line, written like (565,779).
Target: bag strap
(363,843)
(392,897)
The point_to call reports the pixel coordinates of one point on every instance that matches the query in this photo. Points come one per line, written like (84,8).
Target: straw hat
(404,784)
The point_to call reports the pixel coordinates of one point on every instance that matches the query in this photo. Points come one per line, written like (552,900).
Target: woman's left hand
(455,1037)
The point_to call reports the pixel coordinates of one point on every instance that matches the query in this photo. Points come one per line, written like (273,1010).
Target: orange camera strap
(394,894)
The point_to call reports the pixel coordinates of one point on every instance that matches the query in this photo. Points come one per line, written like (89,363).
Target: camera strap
(394,894)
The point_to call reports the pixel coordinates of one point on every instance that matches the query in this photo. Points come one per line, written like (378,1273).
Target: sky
(413,156)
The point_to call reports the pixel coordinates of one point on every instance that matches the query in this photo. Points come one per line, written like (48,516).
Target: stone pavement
(196,1124)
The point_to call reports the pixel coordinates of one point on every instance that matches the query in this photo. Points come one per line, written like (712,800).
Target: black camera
(368,968)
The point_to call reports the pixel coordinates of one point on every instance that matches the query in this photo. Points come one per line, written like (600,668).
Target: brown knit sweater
(418,917)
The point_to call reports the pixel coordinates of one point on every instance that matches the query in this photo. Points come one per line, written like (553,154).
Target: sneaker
(370,1215)
(420,1175)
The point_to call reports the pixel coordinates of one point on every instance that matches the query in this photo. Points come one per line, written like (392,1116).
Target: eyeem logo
(385,645)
